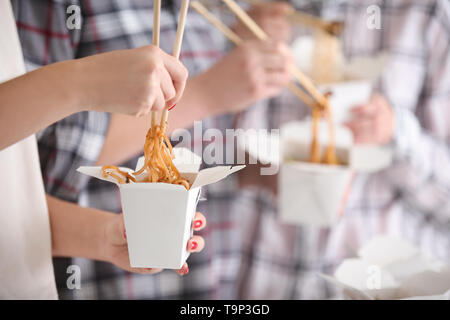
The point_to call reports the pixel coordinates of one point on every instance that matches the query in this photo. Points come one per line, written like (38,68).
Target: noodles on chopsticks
(158,153)
(158,163)
(327,58)
(158,159)
(330,156)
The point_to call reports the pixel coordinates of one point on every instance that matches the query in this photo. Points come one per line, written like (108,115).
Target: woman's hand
(272,17)
(133,81)
(251,72)
(373,122)
(116,250)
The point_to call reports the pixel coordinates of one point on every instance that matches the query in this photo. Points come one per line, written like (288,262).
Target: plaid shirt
(249,253)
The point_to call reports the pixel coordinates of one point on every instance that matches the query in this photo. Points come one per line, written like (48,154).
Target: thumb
(115,231)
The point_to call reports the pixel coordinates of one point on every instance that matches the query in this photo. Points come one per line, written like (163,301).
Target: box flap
(212,175)
(426,283)
(383,250)
(140,163)
(347,95)
(366,67)
(96,172)
(186,161)
(348,291)
(370,158)
(358,274)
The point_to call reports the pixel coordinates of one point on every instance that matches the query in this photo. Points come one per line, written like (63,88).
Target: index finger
(178,74)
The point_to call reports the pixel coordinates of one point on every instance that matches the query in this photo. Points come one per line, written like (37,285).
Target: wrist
(80,89)
(207,98)
(59,86)
(101,237)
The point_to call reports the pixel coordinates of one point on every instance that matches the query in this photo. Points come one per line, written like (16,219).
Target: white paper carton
(313,194)
(358,77)
(347,95)
(310,193)
(390,268)
(158,216)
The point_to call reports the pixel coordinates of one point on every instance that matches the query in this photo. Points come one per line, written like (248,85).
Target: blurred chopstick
(245,18)
(176,51)
(233,37)
(334,28)
(306,82)
(203,11)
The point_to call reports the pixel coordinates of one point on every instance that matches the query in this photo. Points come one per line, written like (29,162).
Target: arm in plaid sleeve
(46,39)
(425,175)
(43,32)
(103,82)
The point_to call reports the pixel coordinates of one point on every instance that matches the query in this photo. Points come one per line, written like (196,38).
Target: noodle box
(308,193)
(359,76)
(389,268)
(158,216)
(356,77)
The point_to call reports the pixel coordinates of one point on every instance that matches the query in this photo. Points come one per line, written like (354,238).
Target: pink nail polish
(172,107)
(186,270)
(194,245)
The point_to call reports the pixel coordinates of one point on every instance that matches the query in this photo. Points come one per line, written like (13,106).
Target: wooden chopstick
(203,11)
(306,82)
(156,21)
(155,42)
(247,20)
(233,37)
(180,30)
(176,52)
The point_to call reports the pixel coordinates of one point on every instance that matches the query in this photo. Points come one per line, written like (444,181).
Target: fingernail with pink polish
(198,223)
(194,245)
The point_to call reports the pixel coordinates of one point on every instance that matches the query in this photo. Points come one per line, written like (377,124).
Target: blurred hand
(251,72)
(373,122)
(272,17)
(133,81)
(116,250)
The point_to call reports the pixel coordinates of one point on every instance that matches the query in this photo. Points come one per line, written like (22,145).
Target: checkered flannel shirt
(249,253)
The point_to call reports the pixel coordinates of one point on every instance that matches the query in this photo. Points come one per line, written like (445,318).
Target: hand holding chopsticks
(176,49)
(261,35)
(319,102)
(334,28)
(233,37)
